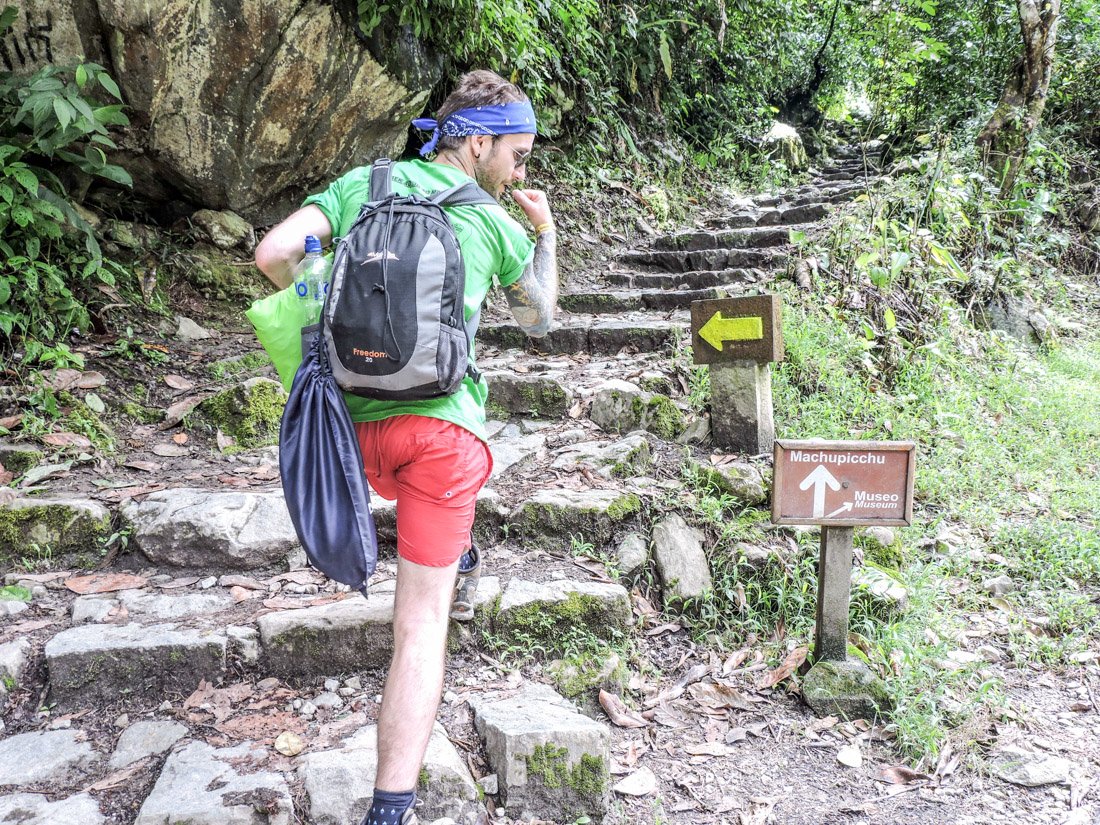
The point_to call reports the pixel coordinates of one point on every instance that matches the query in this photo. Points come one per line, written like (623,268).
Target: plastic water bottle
(311,279)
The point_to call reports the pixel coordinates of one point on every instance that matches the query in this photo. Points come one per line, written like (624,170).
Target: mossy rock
(847,689)
(212,272)
(582,677)
(544,615)
(620,406)
(17,459)
(881,546)
(536,396)
(45,531)
(740,480)
(550,518)
(580,789)
(250,412)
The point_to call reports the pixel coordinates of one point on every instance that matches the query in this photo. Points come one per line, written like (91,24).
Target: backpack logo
(375,257)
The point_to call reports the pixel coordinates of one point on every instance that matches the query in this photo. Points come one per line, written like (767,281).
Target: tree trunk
(1004,141)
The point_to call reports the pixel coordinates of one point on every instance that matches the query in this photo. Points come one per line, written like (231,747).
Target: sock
(387,807)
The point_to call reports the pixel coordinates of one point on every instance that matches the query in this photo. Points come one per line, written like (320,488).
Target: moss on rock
(18,459)
(587,778)
(250,412)
(848,689)
(45,530)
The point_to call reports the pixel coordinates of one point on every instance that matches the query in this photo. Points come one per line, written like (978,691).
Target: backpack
(394,323)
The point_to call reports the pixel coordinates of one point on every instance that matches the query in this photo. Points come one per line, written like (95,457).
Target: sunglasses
(521,158)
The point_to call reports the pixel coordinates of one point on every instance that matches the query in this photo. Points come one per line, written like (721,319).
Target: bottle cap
(312,244)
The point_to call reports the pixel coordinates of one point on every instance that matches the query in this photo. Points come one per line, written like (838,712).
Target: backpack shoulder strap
(381,176)
(465,194)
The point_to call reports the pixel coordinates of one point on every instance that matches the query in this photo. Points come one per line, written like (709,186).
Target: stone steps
(731,279)
(605,303)
(591,334)
(693,240)
(706,259)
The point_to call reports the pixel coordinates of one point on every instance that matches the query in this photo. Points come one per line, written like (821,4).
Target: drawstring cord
(386,285)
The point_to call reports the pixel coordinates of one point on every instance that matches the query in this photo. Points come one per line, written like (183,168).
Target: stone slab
(65,525)
(108,663)
(200,785)
(551,518)
(339,783)
(145,738)
(547,610)
(329,639)
(212,530)
(37,809)
(681,562)
(43,757)
(161,606)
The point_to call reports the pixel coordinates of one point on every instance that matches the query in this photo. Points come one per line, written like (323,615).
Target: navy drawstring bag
(322,470)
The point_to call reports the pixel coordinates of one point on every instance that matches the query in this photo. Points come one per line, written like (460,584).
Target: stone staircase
(209,676)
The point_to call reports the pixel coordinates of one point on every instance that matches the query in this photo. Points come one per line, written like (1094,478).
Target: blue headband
(498,119)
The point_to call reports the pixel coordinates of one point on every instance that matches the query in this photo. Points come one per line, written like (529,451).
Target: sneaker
(407,818)
(469,572)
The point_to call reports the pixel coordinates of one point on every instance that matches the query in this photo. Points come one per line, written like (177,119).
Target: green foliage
(50,261)
(706,69)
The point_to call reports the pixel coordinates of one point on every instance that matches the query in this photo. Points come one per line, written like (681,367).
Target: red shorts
(434,469)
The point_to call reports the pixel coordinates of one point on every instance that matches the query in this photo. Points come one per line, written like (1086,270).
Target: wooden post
(834,577)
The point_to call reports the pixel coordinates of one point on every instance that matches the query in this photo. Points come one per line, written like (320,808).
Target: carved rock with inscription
(243,106)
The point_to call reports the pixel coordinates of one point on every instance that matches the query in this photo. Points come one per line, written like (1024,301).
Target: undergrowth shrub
(52,127)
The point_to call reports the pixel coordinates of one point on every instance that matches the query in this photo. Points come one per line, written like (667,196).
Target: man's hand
(534,204)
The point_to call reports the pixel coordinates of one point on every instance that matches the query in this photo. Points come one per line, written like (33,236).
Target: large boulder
(238,105)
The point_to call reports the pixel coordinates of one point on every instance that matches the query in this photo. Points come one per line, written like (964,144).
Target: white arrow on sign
(843,508)
(818,479)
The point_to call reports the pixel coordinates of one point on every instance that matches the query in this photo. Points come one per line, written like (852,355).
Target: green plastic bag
(278,320)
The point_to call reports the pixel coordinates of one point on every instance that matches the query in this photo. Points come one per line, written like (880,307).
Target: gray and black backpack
(393,322)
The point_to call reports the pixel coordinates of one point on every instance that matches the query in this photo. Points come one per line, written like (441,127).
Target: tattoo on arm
(534,296)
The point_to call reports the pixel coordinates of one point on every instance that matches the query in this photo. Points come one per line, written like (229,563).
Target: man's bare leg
(411,696)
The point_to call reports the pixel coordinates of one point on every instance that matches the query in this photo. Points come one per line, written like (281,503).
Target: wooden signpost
(739,338)
(840,485)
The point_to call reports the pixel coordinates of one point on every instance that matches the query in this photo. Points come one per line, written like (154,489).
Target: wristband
(544,227)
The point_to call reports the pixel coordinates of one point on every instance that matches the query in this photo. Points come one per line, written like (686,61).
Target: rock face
(239,105)
(681,561)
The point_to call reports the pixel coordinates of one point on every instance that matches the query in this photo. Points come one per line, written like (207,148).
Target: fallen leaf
(263,727)
(246,582)
(693,674)
(289,744)
(105,583)
(67,440)
(719,697)
(242,594)
(199,696)
(62,379)
(234,481)
(850,755)
(707,749)
(116,779)
(175,584)
(178,382)
(225,441)
(180,438)
(147,466)
(94,403)
(793,661)
(640,783)
(735,660)
(90,380)
(178,411)
(5,476)
(661,629)
(42,472)
(170,450)
(736,735)
(11,422)
(901,775)
(619,713)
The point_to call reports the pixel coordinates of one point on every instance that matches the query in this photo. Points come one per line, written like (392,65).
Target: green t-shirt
(493,245)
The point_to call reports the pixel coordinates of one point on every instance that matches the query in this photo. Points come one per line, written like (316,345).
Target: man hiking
(431,455)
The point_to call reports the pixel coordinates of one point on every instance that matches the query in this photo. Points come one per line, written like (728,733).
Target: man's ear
(477,144)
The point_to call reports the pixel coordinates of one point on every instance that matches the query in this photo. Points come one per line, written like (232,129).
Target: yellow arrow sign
(718,329)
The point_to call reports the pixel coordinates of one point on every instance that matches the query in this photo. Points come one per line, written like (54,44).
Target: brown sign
(736,329)
(843,483)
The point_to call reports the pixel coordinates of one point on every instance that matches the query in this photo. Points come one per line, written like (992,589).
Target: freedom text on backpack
(394,323)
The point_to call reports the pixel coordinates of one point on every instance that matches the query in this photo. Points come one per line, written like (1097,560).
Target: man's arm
(283,247)
(535,295)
